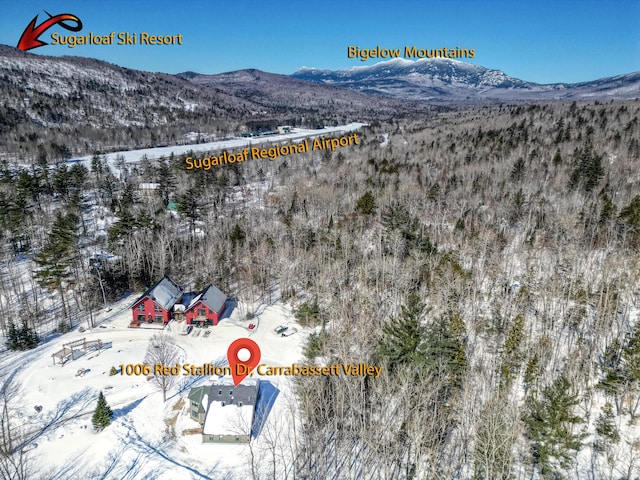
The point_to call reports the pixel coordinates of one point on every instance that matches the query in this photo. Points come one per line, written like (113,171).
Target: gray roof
(246,393)
(211,297)
(165,293)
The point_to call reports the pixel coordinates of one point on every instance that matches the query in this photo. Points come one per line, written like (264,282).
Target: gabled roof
(196,394)
(246,393)
(165,293)
(211,297)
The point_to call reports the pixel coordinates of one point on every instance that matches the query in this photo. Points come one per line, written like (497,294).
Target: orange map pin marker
(241,368)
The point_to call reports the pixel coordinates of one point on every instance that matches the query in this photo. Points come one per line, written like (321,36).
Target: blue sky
(542,41)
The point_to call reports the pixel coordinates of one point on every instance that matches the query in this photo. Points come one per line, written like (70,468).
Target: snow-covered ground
(134,156)
(146,438)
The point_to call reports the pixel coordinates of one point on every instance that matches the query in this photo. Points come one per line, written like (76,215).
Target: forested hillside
(486,257)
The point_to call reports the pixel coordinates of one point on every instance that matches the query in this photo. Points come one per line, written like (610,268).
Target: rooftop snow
(211,297)
(228,419)
(165,293)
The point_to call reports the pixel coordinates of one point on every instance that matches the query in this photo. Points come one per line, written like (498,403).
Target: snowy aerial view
(415,258)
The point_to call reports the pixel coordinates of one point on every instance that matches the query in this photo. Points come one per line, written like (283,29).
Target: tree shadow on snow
(188,381)
(266,398)
(121,412)
(65,410)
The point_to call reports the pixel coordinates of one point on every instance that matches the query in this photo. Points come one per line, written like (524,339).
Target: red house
(206,307)
(155,305)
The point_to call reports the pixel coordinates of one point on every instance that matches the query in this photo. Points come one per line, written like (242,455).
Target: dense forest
(486,258)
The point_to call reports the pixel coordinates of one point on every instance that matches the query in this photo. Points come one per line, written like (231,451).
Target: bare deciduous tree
(162,351)
(14,461)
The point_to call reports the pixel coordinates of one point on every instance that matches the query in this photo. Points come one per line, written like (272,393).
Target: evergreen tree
(60,181)
(404,335)
(315,344)
(518,170)
(188,206)
(396,217)
(27,337)
(12,337)
(631,365)
(97,166)
(23,338)
(366,204)
(550,425)
(308,313)
(612,375)
(608,209)
(237,236)
(606,426)
(55,259)
(121,229)
(166,180)
(78,176)
(445,348)
(511,354)
(102,415)
(588,169)
(630,217)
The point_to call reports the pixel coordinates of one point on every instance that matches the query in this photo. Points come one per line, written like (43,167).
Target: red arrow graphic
(29,38)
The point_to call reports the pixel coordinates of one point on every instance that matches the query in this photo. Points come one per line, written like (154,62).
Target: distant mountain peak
(188,75)
(452,79)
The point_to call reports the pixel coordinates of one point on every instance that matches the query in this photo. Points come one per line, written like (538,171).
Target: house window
(212,438)
(157,308)
(221,437)
(237,439)
(141,317)
(158,318)
(201,312)
(141,307)
(194,404)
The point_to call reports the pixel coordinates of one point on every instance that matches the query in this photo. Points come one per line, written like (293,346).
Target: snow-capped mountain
(446,79)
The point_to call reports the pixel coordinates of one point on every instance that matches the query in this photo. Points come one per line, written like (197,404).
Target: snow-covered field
(134,156)
(146,439)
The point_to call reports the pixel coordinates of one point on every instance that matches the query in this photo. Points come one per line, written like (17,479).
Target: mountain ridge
(428,79)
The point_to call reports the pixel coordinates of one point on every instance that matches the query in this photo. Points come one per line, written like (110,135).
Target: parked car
(289,332)
(279,329)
